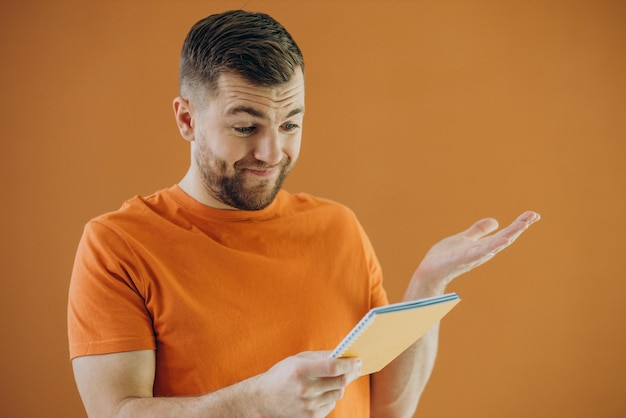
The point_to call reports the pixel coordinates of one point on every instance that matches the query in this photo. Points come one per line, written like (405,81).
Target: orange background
(422,116)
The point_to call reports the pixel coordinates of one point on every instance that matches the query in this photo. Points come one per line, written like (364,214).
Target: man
(221,296)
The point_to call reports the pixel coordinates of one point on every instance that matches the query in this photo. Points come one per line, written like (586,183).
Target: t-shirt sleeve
(106,306)
(378,295)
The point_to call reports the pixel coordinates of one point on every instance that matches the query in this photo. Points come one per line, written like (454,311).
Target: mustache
(254,164)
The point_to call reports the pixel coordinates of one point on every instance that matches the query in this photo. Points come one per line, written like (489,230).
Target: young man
(221,296)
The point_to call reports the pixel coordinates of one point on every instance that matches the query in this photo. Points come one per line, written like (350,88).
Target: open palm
(464,251)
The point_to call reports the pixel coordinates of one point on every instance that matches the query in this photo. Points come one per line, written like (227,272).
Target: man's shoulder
(135,208)
(306,203)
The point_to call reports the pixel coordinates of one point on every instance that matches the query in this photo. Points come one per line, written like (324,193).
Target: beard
(236,190)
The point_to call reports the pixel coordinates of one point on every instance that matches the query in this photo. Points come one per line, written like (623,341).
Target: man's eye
(290,126)
(245,130)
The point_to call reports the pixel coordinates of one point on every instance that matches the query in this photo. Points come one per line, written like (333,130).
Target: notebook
(385,332)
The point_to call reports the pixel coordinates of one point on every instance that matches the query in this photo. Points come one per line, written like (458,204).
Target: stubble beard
(234,191)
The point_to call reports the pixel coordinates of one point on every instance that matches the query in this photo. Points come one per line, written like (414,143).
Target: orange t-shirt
(222,295)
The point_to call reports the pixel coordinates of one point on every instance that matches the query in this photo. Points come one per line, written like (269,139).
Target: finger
(325,402)
(327,367)
(505,237)
(529,217)
(480,229)
(327,409)
(524,221)
(518,226)
(320,386)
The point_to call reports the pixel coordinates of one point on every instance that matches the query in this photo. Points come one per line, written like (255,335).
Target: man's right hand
(306,385)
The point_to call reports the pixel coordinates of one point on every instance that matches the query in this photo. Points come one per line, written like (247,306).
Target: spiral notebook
(385,332)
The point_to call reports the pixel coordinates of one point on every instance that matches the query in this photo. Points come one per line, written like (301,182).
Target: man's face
(246,139)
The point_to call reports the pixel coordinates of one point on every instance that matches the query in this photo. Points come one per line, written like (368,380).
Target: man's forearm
(120,385)
(397,388)
(234,401)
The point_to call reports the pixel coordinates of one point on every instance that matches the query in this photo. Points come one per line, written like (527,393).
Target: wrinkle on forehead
(236,88)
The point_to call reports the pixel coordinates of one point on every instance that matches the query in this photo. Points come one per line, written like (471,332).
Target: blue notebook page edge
(415,303)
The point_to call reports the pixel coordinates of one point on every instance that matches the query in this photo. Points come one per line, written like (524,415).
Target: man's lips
(261,172)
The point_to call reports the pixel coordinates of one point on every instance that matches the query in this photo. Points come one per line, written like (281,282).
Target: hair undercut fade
(252,45)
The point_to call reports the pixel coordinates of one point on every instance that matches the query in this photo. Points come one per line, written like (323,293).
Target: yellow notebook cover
(385,332)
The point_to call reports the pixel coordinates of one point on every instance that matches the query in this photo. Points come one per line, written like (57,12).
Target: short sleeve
(378,295)
(106,309)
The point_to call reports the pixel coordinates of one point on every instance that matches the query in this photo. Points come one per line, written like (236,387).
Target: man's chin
(252,204)
(253,199)
(250,193)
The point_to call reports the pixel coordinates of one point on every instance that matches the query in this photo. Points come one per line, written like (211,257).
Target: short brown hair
(252,45)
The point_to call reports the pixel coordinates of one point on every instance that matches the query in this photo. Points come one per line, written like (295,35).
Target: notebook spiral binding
(363,324)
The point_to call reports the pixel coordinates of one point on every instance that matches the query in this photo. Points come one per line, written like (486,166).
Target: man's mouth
(262,172)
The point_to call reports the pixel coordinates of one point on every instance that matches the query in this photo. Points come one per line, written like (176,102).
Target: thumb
(480,229)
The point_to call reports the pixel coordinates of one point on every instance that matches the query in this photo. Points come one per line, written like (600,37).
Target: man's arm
(396,389)
(120,385)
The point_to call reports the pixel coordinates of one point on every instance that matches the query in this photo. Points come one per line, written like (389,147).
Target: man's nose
(269,148)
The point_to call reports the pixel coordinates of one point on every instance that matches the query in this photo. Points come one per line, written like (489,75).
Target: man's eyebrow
(258,114)
(296,111)
(246,109)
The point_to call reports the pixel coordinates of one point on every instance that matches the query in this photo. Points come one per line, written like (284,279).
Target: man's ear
(184,118)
